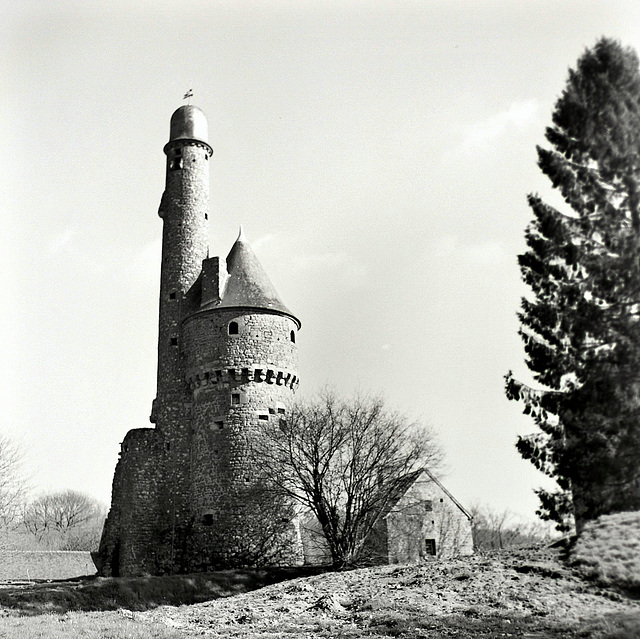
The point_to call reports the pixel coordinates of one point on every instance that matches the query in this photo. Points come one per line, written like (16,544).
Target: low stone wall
(44,564)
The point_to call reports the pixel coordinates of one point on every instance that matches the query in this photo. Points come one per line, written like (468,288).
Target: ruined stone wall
(129,538)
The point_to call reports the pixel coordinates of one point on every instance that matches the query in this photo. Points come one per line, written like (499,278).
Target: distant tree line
(60,520)
(494,529)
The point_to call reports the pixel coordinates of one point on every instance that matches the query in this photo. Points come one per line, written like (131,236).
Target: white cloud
(451,249)
(518,116)
(333,265)
(61,241)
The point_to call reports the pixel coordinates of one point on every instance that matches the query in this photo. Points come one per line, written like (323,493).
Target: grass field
(530,593)
(609,551)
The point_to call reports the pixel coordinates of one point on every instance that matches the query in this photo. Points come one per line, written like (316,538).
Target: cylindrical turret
(185,210)
(241,361)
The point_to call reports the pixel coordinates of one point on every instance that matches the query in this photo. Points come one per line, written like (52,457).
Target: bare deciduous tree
(12,482)
(498,529)
(345,460)
(65,520)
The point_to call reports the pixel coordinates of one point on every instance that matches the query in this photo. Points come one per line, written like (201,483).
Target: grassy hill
(608,551)
(534,593)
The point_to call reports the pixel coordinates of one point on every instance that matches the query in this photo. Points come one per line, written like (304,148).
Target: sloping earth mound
(527,593)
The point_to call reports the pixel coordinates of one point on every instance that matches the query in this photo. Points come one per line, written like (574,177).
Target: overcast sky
(378,156)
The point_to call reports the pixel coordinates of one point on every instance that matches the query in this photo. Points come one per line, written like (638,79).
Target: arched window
(293,336)
(233,328)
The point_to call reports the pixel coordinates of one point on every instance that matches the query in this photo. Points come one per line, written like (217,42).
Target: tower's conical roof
(248,285)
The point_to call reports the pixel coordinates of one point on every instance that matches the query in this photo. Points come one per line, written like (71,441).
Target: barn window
(233,328)
(430,546)
(293,336)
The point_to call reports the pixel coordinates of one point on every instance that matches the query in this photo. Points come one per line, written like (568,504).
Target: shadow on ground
(139,593)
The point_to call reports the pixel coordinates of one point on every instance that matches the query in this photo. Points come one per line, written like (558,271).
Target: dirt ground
(521,593)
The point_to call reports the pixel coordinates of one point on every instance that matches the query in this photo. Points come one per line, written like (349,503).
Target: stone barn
(422,521)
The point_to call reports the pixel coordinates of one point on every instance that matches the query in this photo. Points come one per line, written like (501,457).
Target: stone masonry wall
(424,513)
(241,382)
(131,527)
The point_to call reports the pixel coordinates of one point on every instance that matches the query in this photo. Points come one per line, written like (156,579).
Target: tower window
(233,328)
(235,398)
(293,336)
(219,424)
(174,341)
(207,519)
(172,296)
(430,546)
(175,164)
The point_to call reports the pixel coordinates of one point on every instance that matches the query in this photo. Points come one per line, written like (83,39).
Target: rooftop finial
(188,95)
(241,235)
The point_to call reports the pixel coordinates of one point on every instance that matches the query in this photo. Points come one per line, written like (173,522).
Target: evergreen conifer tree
(581,323)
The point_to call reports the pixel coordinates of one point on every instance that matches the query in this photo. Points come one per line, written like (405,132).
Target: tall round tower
(184,209)
(241,364)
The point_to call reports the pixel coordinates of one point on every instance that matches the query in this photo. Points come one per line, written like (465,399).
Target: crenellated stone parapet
(187,142)
(267,374)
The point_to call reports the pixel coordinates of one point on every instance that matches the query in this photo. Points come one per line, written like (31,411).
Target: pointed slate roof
(248,285)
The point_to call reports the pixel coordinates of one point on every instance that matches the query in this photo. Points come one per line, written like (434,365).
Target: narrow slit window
(293,336)
(235,398)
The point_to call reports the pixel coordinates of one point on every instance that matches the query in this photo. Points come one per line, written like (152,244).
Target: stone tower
(186,494)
